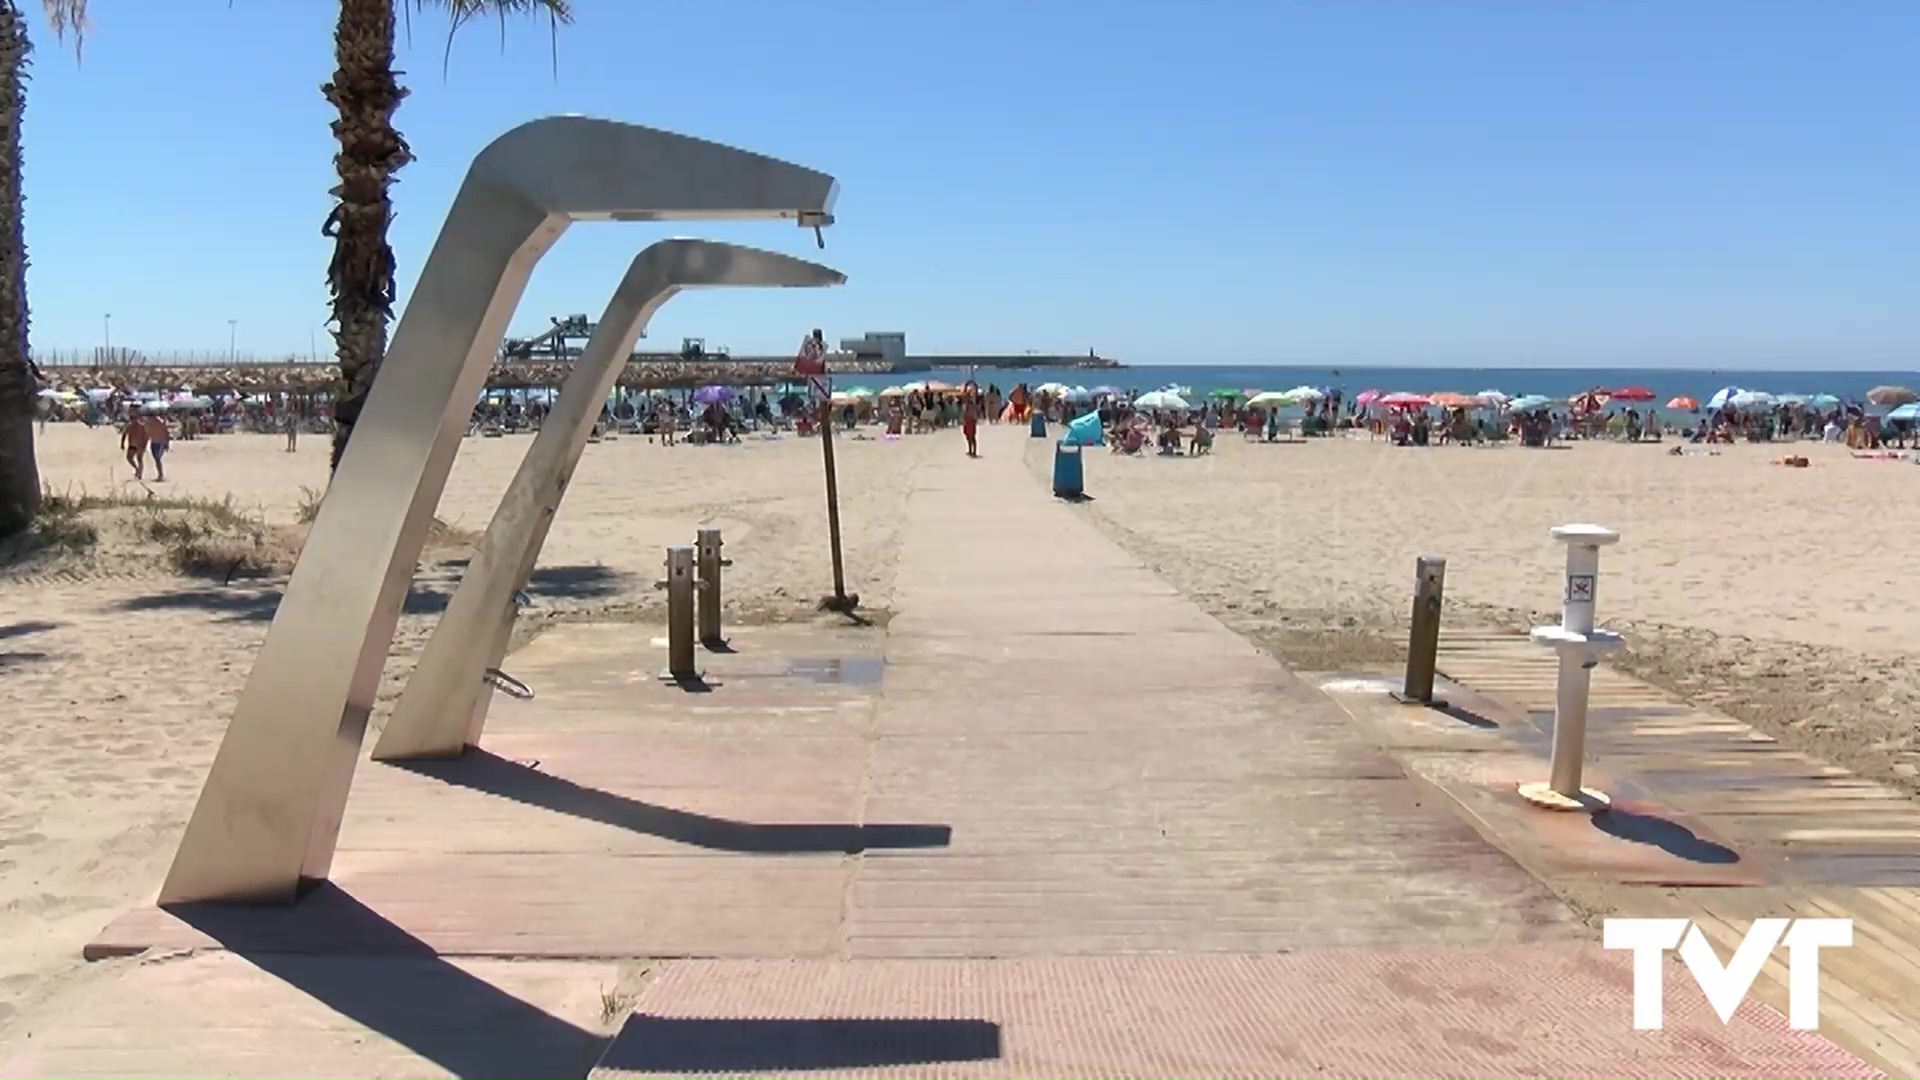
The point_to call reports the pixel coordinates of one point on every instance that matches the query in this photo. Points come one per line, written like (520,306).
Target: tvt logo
(1726,985)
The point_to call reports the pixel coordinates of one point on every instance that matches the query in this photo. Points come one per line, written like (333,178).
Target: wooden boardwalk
(1721,824)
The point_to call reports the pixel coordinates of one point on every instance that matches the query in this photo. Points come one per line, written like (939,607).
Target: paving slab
(1554,1010)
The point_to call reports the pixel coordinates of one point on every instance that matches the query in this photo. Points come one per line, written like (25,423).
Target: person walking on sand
(133,439)
(158,439)
(290,423)
(970,425)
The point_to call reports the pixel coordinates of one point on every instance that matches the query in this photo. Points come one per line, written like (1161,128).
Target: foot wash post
(1580,648)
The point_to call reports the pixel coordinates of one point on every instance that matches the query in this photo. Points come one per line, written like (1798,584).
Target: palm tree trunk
(366,91)
(19,379)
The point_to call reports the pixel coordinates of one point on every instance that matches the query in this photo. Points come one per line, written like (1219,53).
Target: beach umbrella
(1403,400)
(1493,397)
(1530,402)
(1722,396)
(860,391)
(1891,395)
(1685,404)
(1751,399)
(1450,400)
(1162,399)
(708,395)
(1107,391)
(1792,399)
(1824,401)
(1306,393)
(1224,394)
(1631,393)
(1079,393)
(1269,399)
(894,392)
(1910,412)
(1367,397)
(1053,388)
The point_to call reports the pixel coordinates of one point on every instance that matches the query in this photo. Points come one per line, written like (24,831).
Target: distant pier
(1003,363)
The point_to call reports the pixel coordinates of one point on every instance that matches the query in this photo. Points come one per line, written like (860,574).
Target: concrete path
(1074,827)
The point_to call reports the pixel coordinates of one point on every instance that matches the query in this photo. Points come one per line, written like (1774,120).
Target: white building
(888,345)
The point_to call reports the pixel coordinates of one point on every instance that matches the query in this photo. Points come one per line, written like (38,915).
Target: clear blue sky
(1730,183)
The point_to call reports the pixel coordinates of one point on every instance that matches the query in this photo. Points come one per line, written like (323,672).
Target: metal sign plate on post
(821,388)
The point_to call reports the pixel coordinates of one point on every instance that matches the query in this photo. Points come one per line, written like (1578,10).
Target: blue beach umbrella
(1719,400)
(1909,413)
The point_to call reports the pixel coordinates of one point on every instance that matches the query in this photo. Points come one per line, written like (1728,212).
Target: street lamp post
(106,334)
(233,331)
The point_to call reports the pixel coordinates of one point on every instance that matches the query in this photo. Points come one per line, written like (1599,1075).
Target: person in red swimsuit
(970,424)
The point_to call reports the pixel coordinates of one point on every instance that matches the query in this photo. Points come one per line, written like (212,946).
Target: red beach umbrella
(1405,400)
(1684,404)
(1632,393)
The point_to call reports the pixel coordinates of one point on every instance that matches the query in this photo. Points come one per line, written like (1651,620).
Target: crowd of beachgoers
(1171,420)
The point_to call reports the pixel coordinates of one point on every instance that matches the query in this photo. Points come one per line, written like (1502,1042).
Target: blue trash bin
(1038,428)
(1069,474)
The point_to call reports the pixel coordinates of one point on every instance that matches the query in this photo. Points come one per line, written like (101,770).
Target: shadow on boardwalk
(480,770)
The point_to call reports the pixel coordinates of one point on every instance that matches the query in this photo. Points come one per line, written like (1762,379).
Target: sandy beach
(1763,590)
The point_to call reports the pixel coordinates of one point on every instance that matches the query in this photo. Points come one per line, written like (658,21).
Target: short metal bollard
(1423,634)
(1580,646)
(679,586)
(710,562)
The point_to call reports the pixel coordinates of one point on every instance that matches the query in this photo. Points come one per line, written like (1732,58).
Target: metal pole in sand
(839,601)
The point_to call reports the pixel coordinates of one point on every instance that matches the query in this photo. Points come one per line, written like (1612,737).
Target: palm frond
(462,12)
(68,17)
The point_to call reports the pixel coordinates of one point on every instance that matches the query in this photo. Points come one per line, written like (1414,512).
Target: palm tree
(19,378)
(366,91)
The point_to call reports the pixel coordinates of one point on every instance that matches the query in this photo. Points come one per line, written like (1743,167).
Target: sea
(1559,383)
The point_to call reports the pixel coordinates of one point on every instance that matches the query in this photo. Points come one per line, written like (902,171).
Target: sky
(1710,183)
